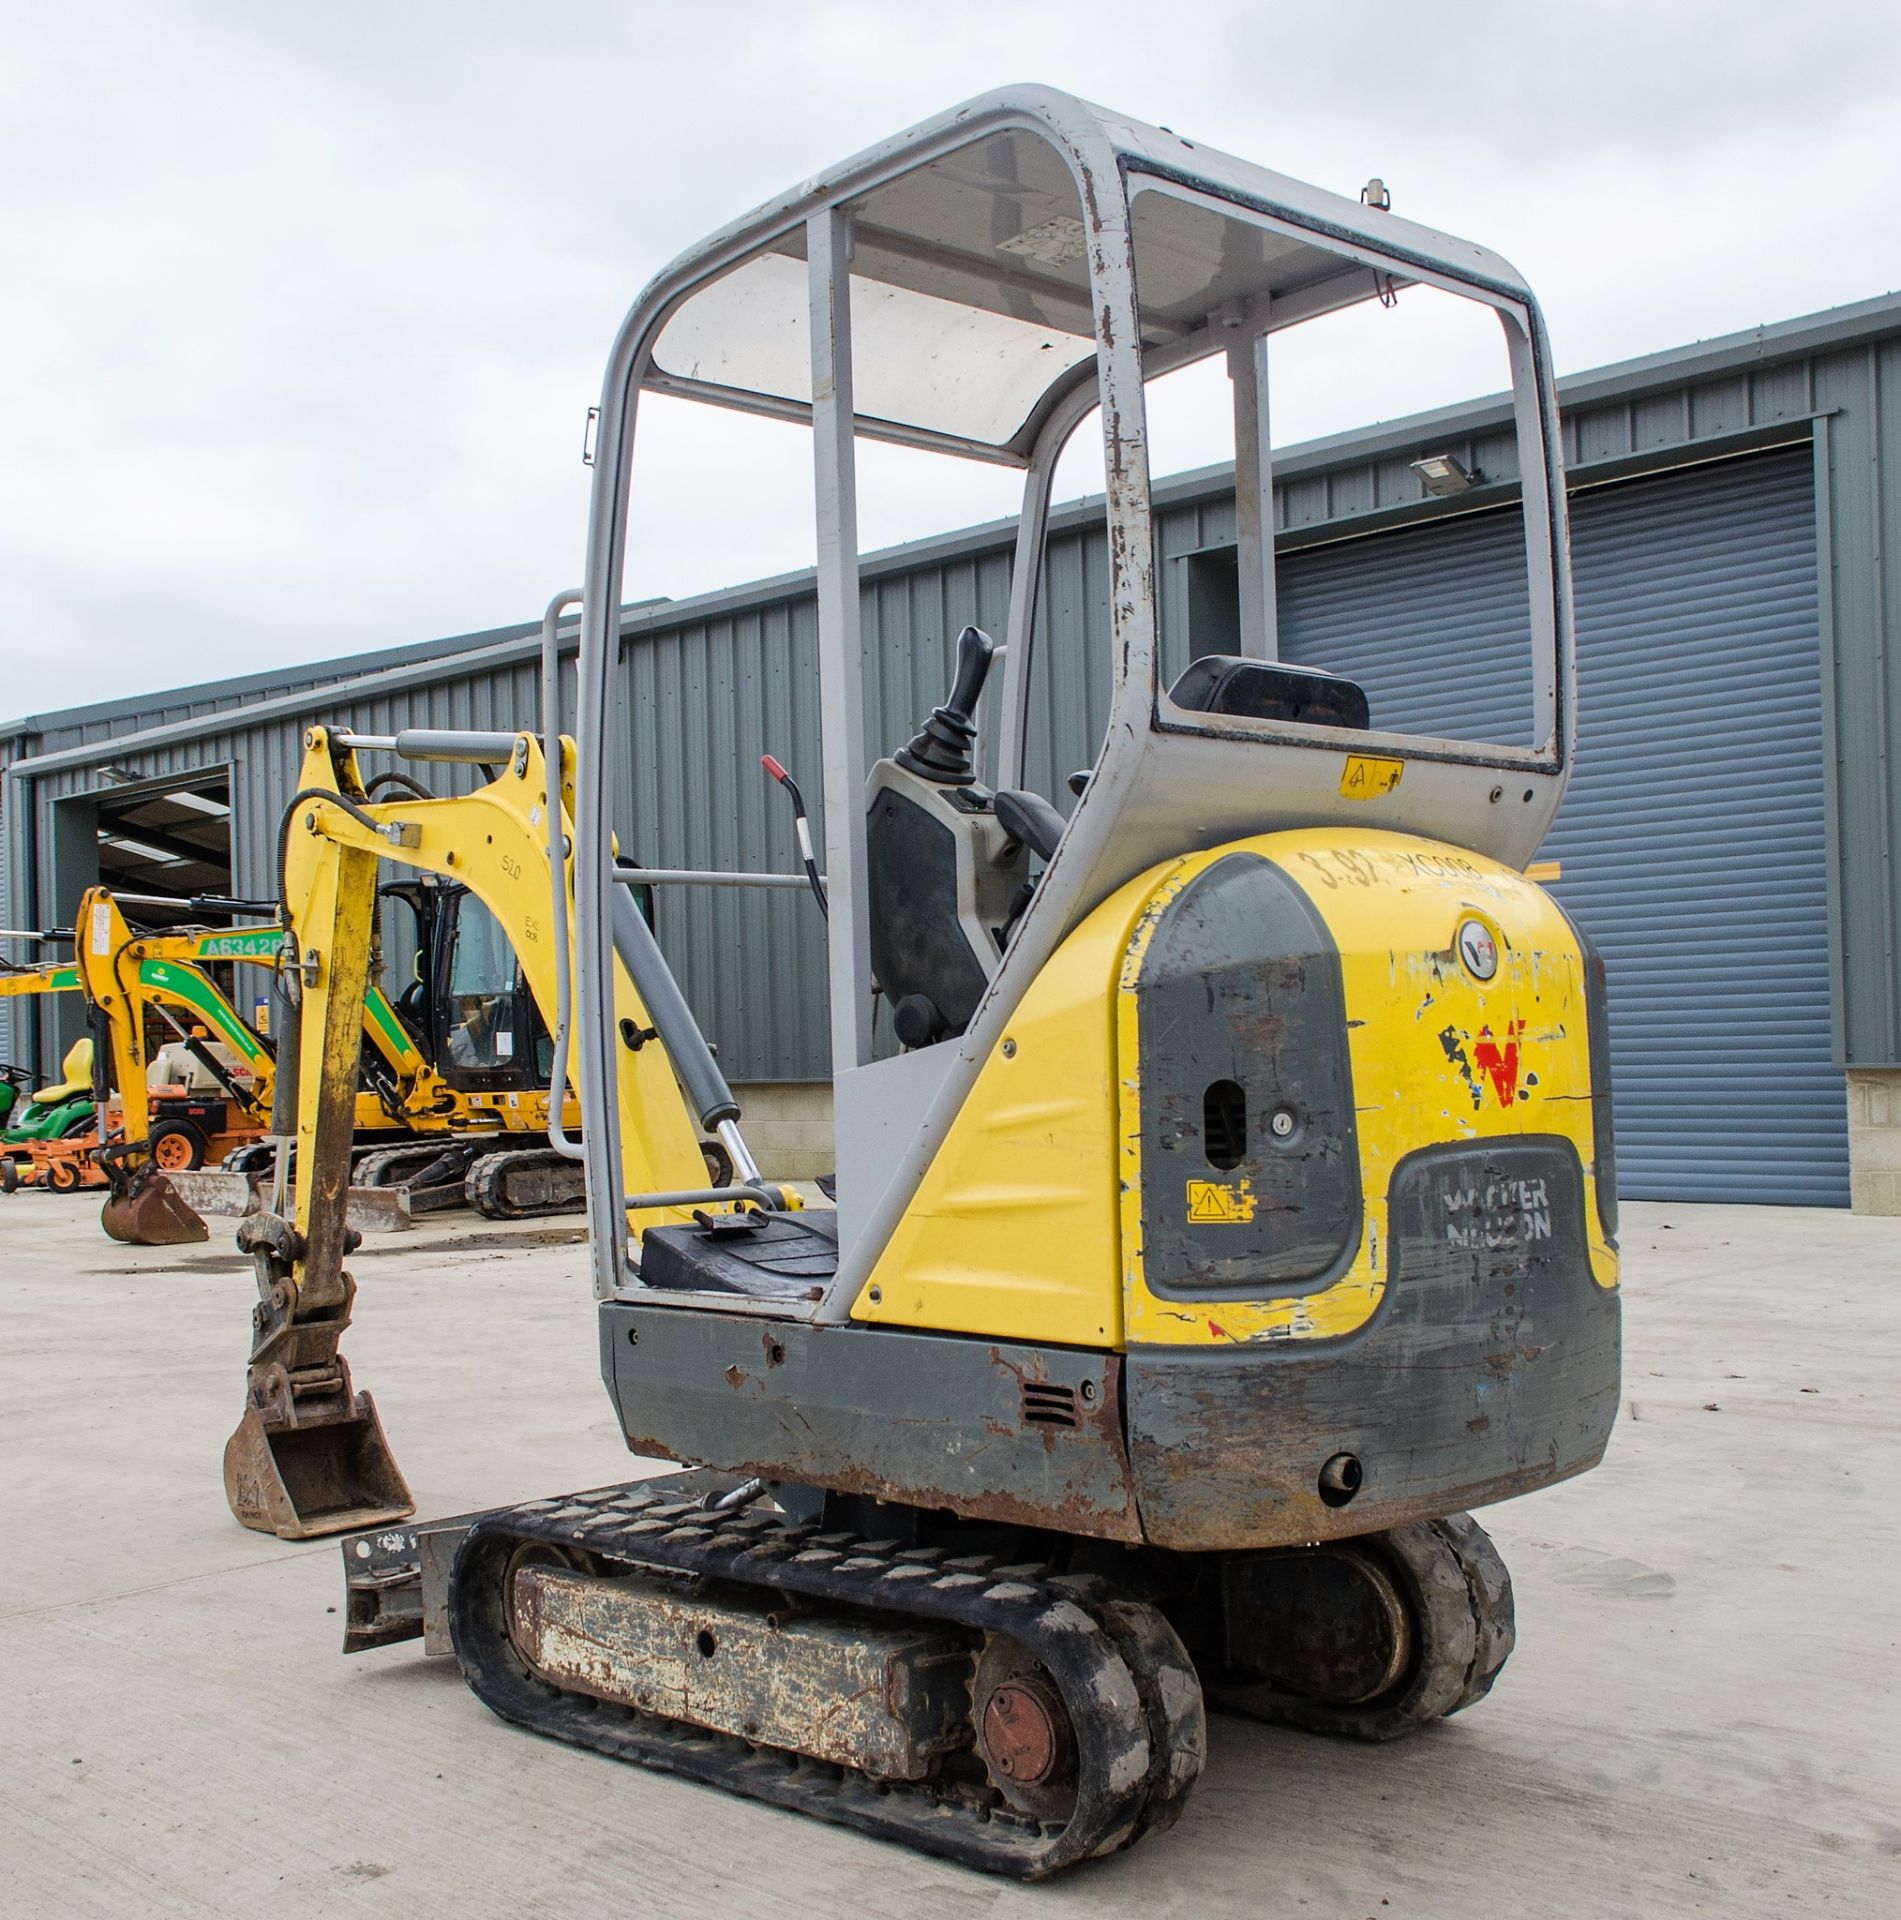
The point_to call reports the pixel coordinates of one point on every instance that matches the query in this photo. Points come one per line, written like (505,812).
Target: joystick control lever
(940,750)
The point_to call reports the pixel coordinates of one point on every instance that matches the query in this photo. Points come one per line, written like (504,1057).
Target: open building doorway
(170,842)
(167,840)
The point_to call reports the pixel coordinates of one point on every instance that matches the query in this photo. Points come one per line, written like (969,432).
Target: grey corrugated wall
(1835,374)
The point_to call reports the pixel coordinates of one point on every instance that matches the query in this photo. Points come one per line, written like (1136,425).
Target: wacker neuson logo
(1503,1213)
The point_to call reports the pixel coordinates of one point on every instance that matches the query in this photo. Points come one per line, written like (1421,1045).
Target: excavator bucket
(302,1479)
(145,1211)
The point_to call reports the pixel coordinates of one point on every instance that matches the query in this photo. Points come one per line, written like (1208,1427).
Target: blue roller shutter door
(1693,837)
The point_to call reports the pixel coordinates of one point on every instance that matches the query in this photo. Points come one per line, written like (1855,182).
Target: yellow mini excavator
(1238,1209)
(131,983)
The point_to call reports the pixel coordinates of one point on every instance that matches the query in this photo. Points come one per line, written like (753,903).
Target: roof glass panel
(1193,258)
(919,359)
(969,296)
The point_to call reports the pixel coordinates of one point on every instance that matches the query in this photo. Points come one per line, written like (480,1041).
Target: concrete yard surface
(1701,1716)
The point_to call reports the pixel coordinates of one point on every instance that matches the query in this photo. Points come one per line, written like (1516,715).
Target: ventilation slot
(1048,1405)
(1224,1124)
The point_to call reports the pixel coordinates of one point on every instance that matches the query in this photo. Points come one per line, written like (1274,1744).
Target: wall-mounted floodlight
(1441,475)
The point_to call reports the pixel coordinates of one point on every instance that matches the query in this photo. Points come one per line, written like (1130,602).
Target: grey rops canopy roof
(977,285)
(970,274)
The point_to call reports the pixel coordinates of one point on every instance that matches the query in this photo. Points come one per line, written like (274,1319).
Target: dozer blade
(149,1213)
(303,1480)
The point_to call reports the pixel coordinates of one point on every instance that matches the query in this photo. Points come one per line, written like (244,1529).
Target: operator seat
(1245,689)
(77,1067)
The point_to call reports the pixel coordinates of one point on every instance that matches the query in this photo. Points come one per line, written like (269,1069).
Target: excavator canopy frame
(971,287)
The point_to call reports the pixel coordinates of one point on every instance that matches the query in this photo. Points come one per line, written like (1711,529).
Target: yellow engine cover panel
(1029,1222)
(1015,1231)
(1437,1055)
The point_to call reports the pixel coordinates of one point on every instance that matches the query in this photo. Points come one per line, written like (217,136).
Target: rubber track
(1128,1683)
(485,1185)
(1489,1592)
(1463,1614)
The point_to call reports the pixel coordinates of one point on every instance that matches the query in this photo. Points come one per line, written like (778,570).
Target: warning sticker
(101,927)
(1365,777)
(1215,1203)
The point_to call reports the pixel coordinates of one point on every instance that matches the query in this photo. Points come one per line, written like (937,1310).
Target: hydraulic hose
(296,800)
(414,788)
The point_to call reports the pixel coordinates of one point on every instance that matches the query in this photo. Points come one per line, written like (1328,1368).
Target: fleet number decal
(265,940)
(1365,777)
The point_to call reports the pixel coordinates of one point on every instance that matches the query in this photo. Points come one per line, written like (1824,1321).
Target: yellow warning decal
(1365,776)
(1213,1203)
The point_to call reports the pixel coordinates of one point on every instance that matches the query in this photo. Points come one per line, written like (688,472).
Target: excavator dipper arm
(309,1456)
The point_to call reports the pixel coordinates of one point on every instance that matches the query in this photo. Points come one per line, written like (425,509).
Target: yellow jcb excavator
(446,1118)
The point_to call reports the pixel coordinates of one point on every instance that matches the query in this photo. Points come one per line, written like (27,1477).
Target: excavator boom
(309,1455)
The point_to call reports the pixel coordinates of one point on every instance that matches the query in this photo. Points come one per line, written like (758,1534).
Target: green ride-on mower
(54,1112)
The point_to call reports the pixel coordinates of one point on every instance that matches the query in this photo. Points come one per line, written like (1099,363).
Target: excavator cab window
(407,942)
(466,1001)
(480,1005)
(490,1035)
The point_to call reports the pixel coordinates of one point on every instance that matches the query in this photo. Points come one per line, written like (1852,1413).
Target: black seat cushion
(1269,690)
(788,1256)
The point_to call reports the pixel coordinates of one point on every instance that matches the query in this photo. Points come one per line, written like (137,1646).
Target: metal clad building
(1733,531)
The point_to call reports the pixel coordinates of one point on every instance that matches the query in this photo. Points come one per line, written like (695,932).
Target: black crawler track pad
(1129,1689)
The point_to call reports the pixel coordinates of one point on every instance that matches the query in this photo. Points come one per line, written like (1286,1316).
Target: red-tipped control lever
(803,827)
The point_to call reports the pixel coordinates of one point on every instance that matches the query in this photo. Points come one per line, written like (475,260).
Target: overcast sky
(301,308)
